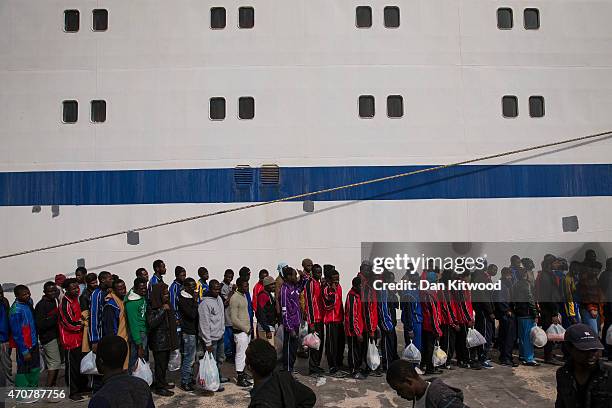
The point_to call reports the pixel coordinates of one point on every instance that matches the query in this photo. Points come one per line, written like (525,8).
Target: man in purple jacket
(290,310)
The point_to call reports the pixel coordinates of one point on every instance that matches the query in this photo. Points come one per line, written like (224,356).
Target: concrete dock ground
(497,387)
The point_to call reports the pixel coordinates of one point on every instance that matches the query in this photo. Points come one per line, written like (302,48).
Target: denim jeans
(188,350)
(218,353)
(229,345)
(134,352)
(587,319)
(525,324)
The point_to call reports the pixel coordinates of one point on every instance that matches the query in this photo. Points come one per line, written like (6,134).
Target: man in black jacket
(266,311)
(274,388)
(46,315)
(485,314)
(584,381)
(504,312)
(188,308)
(548,295)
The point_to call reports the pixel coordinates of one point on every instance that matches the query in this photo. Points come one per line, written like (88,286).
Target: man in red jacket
(313,299)
(71,337)
(369,302)
(432,328)
(333,318)
(354,328)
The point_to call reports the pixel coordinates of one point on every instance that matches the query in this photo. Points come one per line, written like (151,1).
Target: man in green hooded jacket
(135,309)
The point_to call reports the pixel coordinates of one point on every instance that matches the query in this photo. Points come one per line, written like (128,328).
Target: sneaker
(168,386)
(333,370)
(243,382)
(448,367)
(163,392)
(553,361)
(487,364)
(220,389)
(76,398)
(531,364)
(463,364)
(419,371)
(223,380)
(376,373)
(359,376)
(476,366)
(186,387)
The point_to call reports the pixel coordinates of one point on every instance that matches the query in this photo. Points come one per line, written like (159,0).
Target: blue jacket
(385,320)
(23,327)
(175,292)
(95,315)
(411,309)
(4,321)
(154,281)
(250,306)
(110,318)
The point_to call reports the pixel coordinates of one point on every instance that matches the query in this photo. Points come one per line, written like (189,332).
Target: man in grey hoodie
(211,313)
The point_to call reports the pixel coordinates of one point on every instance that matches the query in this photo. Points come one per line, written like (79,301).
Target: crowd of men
(239,325)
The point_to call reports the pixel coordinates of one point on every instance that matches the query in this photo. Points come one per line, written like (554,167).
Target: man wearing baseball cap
(584,381)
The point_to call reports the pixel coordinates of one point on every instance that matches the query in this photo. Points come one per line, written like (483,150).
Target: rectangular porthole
(392,17)
(100,20)
(217,18)
(70,111)
(98,111)
(246,107)
(510,106)
(531,17)
(363,17)
(366,106)
(504,18)
(71,21)
(217,108)
(246,17)
(536,106)
(395,106)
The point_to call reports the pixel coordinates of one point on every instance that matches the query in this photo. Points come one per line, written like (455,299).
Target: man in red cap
(584,381)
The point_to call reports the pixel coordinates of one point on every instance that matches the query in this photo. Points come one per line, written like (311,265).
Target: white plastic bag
(143,371)
(475,339)
(175,361)
(373,358)
(538,337)
(609,336)
(278,341)
(555,332)
(312,341)
(439,356)
(208,373)
(411,353)
(88,364)
(303,332)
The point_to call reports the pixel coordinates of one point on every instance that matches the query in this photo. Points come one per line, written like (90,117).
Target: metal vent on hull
(243,175)
(270,174)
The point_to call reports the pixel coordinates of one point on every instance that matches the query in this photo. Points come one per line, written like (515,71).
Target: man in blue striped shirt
(96,306)
(175,291)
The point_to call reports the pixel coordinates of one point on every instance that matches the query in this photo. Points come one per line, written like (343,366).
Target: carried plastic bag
(88,364)
(439,356)
(411,353)
(609,336)
(175,361)
(143,371)
(278,341)
(312,341)
(555,332)
(538,337)
(475,339)
(373,358)
(303,332)
(208,374)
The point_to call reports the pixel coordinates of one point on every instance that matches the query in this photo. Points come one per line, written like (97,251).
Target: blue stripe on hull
(111,187)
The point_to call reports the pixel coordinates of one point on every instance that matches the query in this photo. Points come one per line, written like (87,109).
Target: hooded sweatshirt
(188,307)
(281,390)
(136,312)
(212,318)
